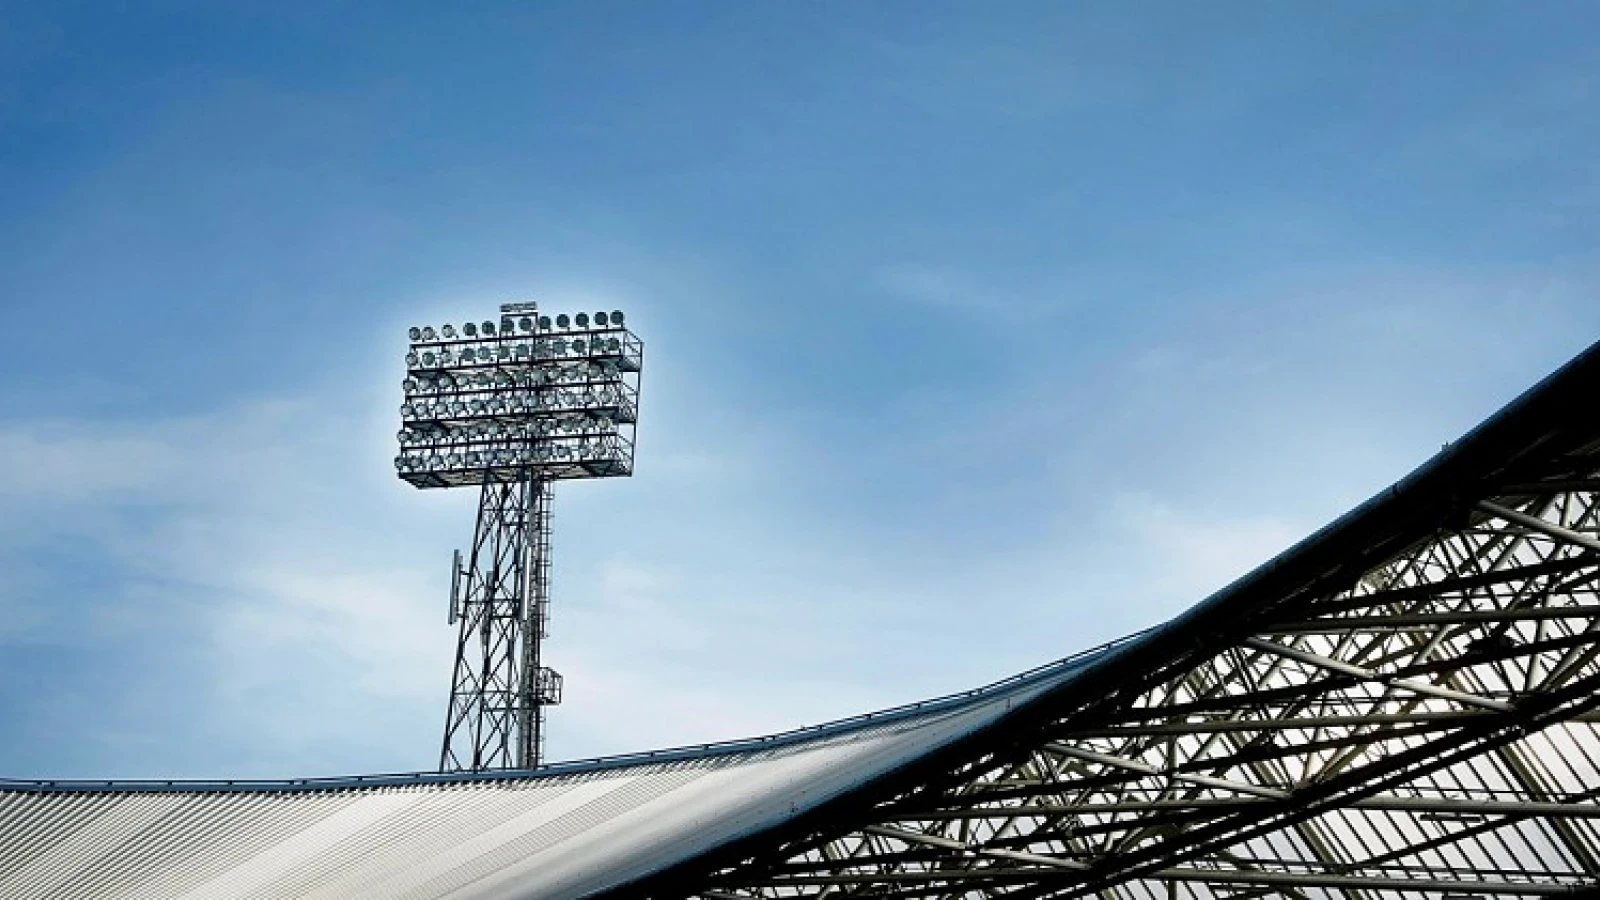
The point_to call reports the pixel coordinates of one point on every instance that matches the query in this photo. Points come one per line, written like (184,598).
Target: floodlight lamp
(427,359)
(449,331)
(582,319)
(467,354)
(525,323)
(577,346)
(427,333)
(614,345)
(445,357)
(488,328)
(415,333)
(544,323)
(563,322)
(600,319)
(506,325)
(522,351)
(616,317)
(469,329)
(411,358)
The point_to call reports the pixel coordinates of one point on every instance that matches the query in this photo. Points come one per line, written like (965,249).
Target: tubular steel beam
(1534,523)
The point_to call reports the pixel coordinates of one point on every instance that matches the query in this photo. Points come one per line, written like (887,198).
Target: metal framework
(499,690)
(1408,709)
(512,408)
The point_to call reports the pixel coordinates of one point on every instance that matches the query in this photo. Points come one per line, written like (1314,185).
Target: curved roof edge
(776,741)
(1533,426)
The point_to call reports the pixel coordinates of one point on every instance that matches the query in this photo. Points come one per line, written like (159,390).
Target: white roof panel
(567,831)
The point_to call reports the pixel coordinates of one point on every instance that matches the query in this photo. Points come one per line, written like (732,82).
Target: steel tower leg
(499,690)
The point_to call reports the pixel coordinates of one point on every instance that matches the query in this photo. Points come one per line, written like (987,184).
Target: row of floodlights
(506,353)
(524,325)
(504,404)
(532,377)
(570,424)
(606,373)
(474,459)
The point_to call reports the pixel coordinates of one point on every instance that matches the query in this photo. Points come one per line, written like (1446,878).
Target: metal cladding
(1406,704)
(570,830)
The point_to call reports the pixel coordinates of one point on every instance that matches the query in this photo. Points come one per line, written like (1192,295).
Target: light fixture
(488,328)
(449,332)
(415,333)
(600,319)
(616,317)
(427,333)
(563,322)
(582,319)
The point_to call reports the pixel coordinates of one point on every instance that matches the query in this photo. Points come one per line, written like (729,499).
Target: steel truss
(499,691)
(1423,724)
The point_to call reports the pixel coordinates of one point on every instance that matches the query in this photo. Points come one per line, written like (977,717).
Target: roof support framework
(1424,726)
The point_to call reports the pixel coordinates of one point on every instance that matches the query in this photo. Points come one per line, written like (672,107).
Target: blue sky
(977,334)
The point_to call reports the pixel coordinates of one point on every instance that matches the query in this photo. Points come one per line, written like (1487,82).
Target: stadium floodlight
(510,409)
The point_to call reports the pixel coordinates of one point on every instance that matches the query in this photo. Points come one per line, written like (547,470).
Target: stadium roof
(1402,704)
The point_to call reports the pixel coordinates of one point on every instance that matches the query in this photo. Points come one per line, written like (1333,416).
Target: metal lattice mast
(499,689)
(510,409)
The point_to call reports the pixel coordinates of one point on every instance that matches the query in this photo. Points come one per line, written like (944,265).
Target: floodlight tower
(510,407)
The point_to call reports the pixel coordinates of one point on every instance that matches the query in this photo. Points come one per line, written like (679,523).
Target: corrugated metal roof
(565,831)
